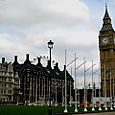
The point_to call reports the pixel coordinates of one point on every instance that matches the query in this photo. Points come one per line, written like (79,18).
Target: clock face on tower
(105,40)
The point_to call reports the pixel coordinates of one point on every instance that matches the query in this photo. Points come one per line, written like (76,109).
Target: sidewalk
(101,113)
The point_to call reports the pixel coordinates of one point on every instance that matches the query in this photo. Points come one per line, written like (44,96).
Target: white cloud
(29,12)
(64,36)
(72,8)
(29,24)
(10,48)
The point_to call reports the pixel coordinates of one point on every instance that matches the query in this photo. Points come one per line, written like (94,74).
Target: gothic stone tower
(107,55)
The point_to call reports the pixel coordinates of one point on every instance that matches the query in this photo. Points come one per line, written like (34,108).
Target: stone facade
(34,82)
(107,56)
(8,82)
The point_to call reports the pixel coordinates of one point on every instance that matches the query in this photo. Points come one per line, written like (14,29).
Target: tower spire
(106,16)
(106,3)
(106,20)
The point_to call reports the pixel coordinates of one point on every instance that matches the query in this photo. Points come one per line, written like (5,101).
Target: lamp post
(76,96)
(84,88)
(70,89)
(66,65)
(110,89)
(78,81)
(76,110)
(105,74)
(50,46)
(98,70)
(100,91)
(93,109)
(85,95)
(65,110)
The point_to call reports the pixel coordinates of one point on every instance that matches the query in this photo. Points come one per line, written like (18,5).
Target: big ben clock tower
(107,56)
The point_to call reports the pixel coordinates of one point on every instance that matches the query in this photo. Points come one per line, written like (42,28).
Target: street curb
(82,112)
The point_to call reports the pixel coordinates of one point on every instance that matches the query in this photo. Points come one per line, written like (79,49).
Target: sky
(27,25)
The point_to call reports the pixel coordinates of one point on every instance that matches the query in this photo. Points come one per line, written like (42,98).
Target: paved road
(102,113)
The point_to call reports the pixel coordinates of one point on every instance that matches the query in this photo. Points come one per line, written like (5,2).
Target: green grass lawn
(23,110)
(29,110)
(35,110)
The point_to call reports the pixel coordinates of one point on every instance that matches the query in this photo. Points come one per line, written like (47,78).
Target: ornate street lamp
(50,46)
